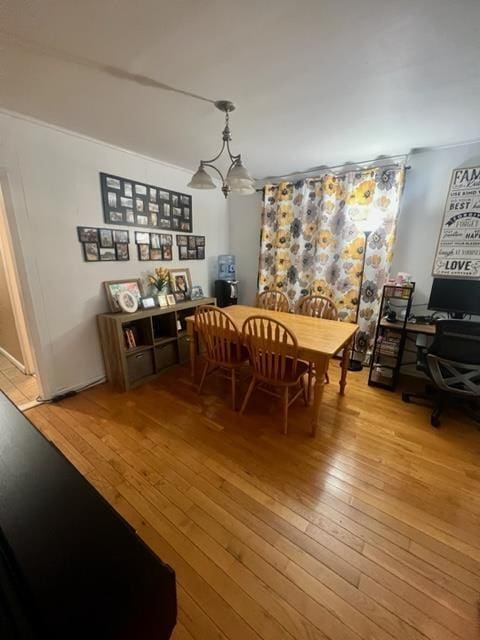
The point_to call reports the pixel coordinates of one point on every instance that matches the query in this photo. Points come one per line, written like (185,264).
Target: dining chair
(273,355)
(223,347)
(273,301)
(316,307)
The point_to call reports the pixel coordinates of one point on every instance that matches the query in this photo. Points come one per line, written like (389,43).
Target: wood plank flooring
(20,388)
(369,531)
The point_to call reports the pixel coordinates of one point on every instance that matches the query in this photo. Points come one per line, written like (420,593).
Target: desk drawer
(140,365)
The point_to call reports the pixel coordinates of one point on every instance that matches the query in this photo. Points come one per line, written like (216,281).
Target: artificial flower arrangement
(160,278)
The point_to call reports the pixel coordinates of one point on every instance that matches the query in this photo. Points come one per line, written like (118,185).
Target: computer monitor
(456,297)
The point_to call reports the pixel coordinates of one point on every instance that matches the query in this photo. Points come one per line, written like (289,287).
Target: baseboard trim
(13,360)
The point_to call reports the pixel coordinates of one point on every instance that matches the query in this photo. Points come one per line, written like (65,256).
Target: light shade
(201,180)
(239,180)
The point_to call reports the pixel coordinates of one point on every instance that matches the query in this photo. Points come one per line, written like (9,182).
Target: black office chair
(452,362)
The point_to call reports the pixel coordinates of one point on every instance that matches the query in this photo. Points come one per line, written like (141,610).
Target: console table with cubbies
(138,346)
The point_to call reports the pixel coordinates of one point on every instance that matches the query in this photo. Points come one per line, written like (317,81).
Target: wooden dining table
(318,341)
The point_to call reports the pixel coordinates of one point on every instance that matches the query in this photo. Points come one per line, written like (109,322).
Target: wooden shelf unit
(159,343)
(390,336)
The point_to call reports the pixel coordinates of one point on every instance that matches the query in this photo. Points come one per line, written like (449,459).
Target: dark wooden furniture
(160,341)
(222,344)
(390,337)
(273,353)
(70,566)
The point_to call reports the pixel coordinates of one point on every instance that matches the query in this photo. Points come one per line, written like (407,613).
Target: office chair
(452,362)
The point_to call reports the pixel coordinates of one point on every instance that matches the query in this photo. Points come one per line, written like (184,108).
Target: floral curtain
(318,235)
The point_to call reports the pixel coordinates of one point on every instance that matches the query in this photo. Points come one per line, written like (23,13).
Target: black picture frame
(128,202)
(191,247)
(158,248)
(98,244)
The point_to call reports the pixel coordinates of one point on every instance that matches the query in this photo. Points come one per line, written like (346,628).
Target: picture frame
(181,281)
(148,303)
(191,247)
(171,299)
(179,297)
(162,301)
(104,245)
(91,251)
(87,234)
(132,203)
(127,302)
(197,292)
(114,287)
(106,238)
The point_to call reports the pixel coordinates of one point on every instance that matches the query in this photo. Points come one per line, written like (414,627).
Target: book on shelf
(129,336)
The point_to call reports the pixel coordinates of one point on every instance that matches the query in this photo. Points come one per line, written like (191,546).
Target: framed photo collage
(126,202)
(136,204)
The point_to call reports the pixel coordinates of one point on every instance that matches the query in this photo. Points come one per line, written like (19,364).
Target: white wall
(419,222)
(421,211)
(245,219)
(53,185)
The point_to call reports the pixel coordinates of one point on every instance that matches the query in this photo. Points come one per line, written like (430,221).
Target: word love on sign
(458,248)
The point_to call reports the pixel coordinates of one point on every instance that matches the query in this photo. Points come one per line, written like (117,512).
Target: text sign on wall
(458,248)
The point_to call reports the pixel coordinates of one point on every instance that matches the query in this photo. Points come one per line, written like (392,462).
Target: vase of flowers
(159,281)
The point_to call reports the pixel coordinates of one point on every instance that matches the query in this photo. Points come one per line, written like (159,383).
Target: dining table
(318,341)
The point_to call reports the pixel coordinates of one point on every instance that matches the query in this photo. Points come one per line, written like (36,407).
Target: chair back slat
(317,307)
(272,348)
(273,301)
(218,334)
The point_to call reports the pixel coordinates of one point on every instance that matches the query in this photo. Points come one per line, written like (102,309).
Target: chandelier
(237,178)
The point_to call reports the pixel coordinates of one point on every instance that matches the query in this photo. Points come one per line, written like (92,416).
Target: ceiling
(315,81)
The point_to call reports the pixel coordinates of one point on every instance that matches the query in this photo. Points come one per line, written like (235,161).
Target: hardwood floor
(20,388)
(371,530)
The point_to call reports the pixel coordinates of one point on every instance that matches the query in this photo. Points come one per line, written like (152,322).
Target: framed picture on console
(113,288)
(181,282)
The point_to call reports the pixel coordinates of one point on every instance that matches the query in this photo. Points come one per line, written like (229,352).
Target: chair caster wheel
(435,421)
(405,397)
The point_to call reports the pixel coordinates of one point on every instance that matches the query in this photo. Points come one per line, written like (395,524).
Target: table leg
(321,365)
(193,347)
(344,365)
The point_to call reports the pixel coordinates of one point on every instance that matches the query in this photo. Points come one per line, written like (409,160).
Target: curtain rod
(303,174)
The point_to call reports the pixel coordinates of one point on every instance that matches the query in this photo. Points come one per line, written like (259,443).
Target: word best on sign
(458,248)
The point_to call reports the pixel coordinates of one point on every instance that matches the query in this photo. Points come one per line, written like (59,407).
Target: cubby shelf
(162,344)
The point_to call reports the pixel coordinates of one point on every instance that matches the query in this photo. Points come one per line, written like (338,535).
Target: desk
(410,327)
(318,341)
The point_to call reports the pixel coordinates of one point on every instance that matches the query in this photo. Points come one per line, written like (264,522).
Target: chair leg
(304,390)
(204,375)
(248,394)
(233,389)
(285,411)
(310,379)
(327,379)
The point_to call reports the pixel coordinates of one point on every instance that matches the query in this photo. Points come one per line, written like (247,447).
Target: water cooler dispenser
(226,286)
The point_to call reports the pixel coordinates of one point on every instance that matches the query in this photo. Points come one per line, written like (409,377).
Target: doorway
(18,376)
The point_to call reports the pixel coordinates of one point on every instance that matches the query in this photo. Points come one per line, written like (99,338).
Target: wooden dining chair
(316,307)
(221,340)
(273,301)
(273,355)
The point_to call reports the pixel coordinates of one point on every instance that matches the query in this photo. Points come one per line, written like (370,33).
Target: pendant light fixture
(237,178)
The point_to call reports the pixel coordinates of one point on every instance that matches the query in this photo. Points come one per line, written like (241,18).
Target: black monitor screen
(455,296)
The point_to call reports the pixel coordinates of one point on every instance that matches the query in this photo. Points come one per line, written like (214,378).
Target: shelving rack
(390,336)
(160,339)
